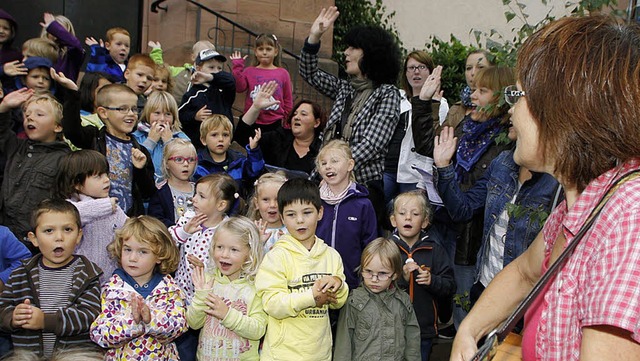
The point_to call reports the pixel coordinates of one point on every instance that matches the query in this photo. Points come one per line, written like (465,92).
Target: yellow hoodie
(297,329)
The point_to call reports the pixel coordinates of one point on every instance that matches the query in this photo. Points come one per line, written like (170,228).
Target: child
(139,75)
(70,54)
(225,306)
(215,195)
(263,208)
(31,163)
(378,321)
(299,280)
(38,75)
(51,299)
(427,271)
(212,91)
(216,134)
(10,57)
(175,196)
(130,166)
(158,126)
(83,180)
(349,221)
(90,85)
(181,75)
(162,80)
(142,306)
(42,47)
(266,67)
(110,57)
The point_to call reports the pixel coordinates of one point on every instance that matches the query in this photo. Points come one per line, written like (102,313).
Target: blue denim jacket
(493,192)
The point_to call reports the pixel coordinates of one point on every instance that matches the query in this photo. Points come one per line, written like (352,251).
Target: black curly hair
(381,57)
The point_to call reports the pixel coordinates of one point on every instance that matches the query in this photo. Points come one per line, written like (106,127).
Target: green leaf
(509,15)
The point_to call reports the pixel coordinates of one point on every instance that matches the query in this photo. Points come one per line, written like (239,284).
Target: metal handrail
(219,36)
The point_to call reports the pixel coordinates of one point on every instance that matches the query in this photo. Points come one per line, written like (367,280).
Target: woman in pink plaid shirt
(576,111)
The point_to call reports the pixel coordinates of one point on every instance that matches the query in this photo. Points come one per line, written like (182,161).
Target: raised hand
(264,234)
(193,224)
(154,44)
(15,68)
(199,279)
(444,147)
(138,158)
(264,99)
(431,86)
(324,21)
(61,79)
(15,99)
(237,55)
(48,19)
(255,140)
(89,40)
(200,77)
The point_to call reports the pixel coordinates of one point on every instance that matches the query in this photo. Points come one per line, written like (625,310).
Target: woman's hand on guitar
(464,346)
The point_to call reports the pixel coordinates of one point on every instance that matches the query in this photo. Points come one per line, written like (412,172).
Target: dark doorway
(89,18)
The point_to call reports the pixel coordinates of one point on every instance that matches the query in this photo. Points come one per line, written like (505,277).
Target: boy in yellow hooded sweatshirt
(299,280)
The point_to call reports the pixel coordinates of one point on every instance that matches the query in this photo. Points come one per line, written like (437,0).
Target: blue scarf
(476,139)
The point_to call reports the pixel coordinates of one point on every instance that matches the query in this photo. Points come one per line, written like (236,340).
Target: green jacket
(376,327)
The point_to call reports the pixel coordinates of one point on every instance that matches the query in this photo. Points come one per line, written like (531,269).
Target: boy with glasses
(130,166)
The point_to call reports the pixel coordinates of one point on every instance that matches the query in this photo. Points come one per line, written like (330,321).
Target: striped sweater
(70,323)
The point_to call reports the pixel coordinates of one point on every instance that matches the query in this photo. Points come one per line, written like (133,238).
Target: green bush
(452,55)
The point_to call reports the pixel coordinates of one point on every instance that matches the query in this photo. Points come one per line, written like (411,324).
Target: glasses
(181,160)
(124,110)
(412,68)
(512,94)
(381,276)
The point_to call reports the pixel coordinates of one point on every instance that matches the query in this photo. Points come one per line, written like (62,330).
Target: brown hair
(103,98)
(117,30)
(162,72)
(56,205)
(581,76)
(214,121)
(75,167)
(420,56)
(495,78)
(271,40)
(225,188)
(318,113)
(151,231)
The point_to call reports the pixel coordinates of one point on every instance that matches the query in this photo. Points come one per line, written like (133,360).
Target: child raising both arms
(349,221)
(83,180)
(263,208)
(427,273)
(111,56)
(175,196)
(52,298)
(299,280)
(225,306)
(378,321)
(266,67)
(142,306)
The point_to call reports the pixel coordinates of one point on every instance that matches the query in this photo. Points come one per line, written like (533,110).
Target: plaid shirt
(374,125)
(599,283)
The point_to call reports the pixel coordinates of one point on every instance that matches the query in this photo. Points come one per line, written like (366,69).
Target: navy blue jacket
(427,251)
(348,227)
(161,206)
(494,191)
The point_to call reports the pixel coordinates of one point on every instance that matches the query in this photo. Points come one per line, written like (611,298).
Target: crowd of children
(132,203)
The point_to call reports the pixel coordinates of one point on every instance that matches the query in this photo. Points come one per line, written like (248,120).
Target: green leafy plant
(463,301)
(452,55)
(358,13)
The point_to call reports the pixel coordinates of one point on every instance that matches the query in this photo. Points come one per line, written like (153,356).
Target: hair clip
(272,36)
(236,195)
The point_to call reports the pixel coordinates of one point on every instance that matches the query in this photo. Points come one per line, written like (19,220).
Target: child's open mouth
(225,266)
(58,251)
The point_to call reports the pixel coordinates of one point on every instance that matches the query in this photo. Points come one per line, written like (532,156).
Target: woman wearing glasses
(399,176)
(577,119)
(516,203)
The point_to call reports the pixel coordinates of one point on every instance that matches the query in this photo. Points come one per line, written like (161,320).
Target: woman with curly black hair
(367,105)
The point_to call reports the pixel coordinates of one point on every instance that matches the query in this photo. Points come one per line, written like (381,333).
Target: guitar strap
(498,335)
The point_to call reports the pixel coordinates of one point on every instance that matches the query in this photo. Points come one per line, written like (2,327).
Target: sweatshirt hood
(293,245)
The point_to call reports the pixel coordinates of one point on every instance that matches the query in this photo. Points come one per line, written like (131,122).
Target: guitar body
(510,349)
